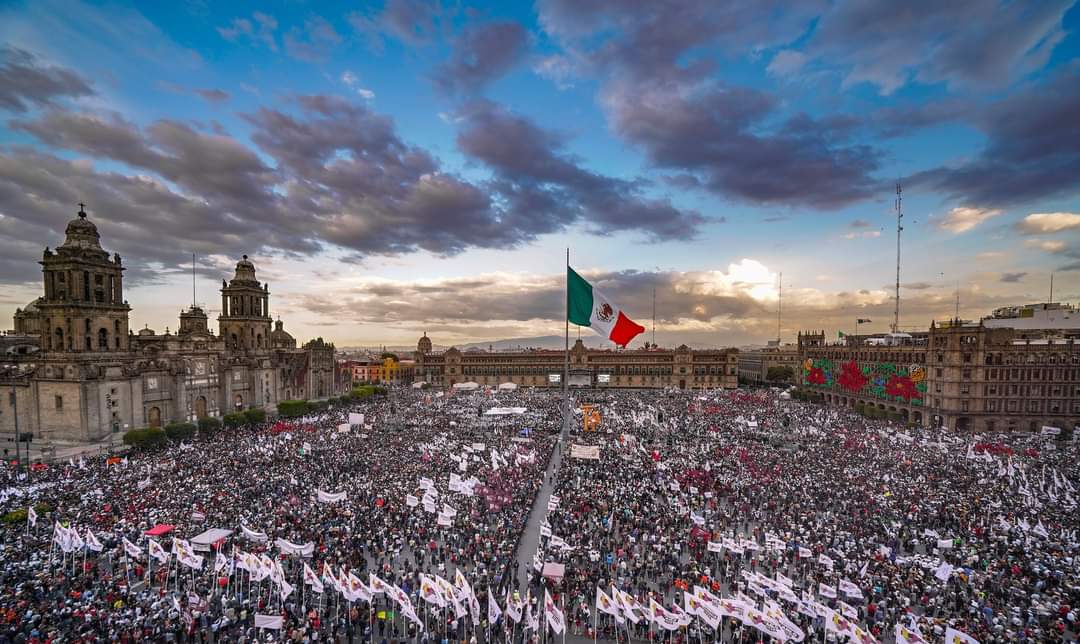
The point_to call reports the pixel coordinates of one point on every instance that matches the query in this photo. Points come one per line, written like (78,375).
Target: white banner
(331,497)
(356,419)
(269,621)
(253,535)
(589,452)
(294,549)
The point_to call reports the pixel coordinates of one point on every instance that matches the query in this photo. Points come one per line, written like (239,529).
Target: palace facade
(999,374)
(683,367)
(74,371)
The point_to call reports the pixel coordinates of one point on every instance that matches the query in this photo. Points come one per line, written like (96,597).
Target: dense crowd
(834,525)
(419,522)
(263,483)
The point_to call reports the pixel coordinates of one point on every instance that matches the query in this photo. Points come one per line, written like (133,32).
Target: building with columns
(80,374)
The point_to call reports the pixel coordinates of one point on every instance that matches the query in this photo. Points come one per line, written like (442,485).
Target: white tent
(507,386)
(466,386)
(418,385)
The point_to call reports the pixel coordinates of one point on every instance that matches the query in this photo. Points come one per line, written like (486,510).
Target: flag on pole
(311,579)
(131,549)
(92,542)
(586,306)
(494,613)
(554,616)
(953,636)
(31,516)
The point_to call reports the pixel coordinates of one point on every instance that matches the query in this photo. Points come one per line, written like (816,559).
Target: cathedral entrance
(200,407)
(238,401)
(154,417)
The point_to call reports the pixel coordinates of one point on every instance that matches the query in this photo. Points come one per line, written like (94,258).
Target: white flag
(331,497)
(31,516)
(953,636)
(275,622)
(92,542)
(131,549)
(554,616)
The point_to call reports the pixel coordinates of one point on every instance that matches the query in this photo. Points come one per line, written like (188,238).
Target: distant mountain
(554,342)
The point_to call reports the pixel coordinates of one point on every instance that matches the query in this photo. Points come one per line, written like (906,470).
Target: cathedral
(77,372)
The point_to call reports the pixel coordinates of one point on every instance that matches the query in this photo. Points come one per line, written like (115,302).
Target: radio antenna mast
(779,304)
(899,229)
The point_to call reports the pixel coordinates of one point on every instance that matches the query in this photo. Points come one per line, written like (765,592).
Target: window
(967,358)
(966,374)
(965,390)
(1033,405)
(991,405)
(59,401)
(989,425)
(963,405)
(1011,405)
(938,372)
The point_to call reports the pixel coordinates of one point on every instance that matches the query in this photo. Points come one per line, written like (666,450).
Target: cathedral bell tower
(244,322)
(83,309)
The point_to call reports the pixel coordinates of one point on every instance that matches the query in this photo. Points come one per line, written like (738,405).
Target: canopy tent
(466,386)
(507,386)
(160,529)
(554,571)
(785,396)
(209,538)
(505,411)
(418,385)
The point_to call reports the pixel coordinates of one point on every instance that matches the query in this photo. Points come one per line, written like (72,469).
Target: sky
(407,167)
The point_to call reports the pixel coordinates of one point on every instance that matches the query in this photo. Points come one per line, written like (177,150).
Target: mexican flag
(586,306)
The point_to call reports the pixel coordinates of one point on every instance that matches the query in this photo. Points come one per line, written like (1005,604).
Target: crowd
(347,496)
(832,525)
(716,516)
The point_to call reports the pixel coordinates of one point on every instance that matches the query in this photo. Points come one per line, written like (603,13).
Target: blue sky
(406,166)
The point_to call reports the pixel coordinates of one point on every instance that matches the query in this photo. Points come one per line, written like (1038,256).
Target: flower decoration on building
(851,378)
(901,387)
(816,376)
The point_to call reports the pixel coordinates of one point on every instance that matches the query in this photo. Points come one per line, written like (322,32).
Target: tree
(292,408)
(179,431)
(146,438)
(209,425)
(255,415)
(781,373)
(234,419)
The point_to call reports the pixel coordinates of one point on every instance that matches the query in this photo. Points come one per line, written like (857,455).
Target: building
(683,367)
(386,370)
(91,376)
(754,364)
(963,375)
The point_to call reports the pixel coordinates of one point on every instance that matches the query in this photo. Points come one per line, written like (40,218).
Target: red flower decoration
(816,376)
(901,387)
(851,378)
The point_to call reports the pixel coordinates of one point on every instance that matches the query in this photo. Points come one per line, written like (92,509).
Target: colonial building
(91,376)
(683,367)
(754,364)
(986,376)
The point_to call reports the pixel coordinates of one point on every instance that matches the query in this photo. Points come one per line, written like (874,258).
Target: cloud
(859,223)
(869,234)
(1012,278)
(24,82)
(557,68)
(1032,149)
(721,135)
(210,95)
(480,55)
(313,42)
(918,286)
(1047,245)
(1049,222)
(786,62)
(413,22)
(537,179)
(965,43)
(962,219)
(351,80)
(261,31)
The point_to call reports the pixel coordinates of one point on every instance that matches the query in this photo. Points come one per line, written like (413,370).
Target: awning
(160,530)
(507,386)
(466,386)
(207,539)
(505,411)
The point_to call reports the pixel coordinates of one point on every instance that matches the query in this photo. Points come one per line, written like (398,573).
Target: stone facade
(965,376)
(91,376)
(682,367)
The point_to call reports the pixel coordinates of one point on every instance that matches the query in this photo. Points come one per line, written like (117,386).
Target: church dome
(81,233)
(280,338)
(424,344)
(245,271)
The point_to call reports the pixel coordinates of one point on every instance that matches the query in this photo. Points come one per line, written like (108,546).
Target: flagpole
(566,355)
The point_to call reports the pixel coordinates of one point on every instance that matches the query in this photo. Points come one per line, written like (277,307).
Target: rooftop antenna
(654,310)
(958,301)
(193,280)
(899,228)
(1051,301)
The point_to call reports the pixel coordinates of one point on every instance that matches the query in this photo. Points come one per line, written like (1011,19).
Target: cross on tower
(82,211)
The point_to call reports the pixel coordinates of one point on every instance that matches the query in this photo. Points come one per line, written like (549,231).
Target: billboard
(603,378)
(554,377)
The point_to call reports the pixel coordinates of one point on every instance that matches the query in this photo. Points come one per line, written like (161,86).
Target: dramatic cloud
(786,62)
(25,83)
(961,220)
(1049,222)
(312,42)
(1032,149)
(481,54)
(413,22)
(261,31)
(210,95)
(1047,245)
(538,179)
(964,42)
(1012,278)
(721,134)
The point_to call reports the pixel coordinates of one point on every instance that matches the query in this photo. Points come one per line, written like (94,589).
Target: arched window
(258,340)
(59,342)
(103,339)
(234,345)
